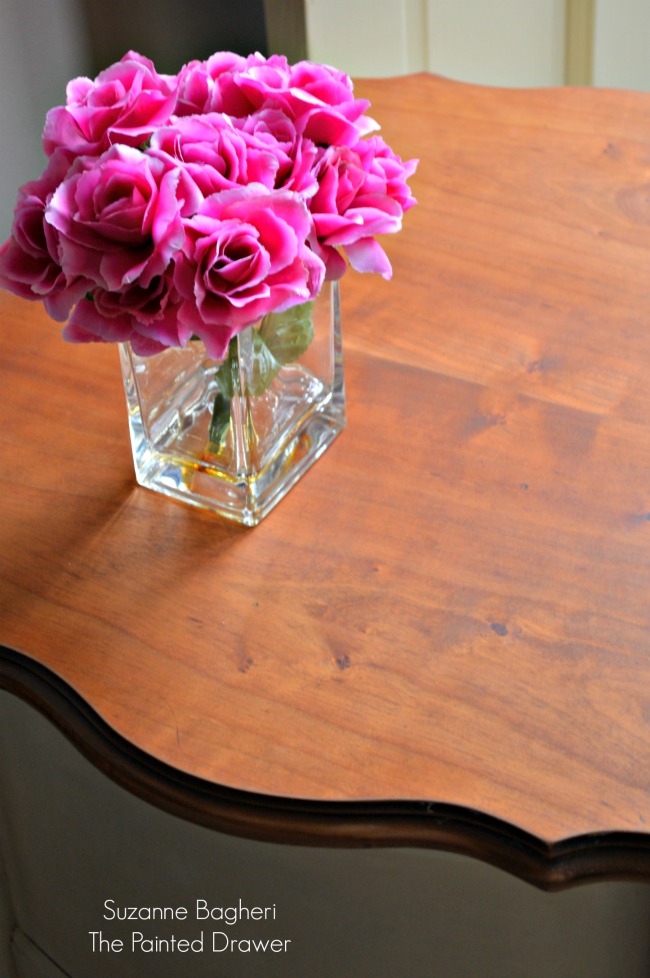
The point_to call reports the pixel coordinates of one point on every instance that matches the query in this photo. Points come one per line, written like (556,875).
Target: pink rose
(295,155)
(199,203)
(147,318)
(245,255)
(216,85)
(199,83)
(324,97)
(29,263)
(319,98)
(124,104)
(362,192)
(385,173)
(145,305)
(269,78)
(118,218)
(215,154)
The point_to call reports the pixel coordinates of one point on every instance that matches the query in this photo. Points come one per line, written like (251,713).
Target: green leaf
(288,334)
(263,366)
(219,422)
(281,339)
(227,378)
(227,375)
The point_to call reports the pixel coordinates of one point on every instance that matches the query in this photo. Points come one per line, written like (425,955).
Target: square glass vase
(233,436)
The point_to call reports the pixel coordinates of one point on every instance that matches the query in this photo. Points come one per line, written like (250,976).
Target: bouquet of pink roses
(176,207)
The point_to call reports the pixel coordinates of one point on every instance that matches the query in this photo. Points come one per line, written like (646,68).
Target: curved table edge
(346,824)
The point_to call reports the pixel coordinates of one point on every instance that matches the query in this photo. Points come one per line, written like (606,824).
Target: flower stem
(282,338)
(227,378)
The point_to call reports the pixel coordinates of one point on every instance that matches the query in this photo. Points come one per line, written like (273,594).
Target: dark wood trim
(425,824)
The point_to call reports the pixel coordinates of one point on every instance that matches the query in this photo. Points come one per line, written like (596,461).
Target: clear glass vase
(234,436)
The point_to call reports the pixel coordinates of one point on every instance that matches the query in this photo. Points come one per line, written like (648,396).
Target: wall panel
(622,44)
(503,42)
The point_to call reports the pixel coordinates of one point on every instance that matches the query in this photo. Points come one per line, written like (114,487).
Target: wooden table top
(440,637)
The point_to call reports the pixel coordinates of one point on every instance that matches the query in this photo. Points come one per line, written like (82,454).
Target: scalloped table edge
(294,821)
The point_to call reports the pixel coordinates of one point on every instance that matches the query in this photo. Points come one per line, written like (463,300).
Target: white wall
(362,38)
(498,42)
(502,42)
(493,42)
(622,44)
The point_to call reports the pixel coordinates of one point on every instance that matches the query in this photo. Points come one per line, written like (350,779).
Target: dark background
(173,33)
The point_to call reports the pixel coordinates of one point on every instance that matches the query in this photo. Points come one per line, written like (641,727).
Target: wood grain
(450,612)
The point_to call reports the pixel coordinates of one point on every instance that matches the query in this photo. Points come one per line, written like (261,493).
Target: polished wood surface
(441,635)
